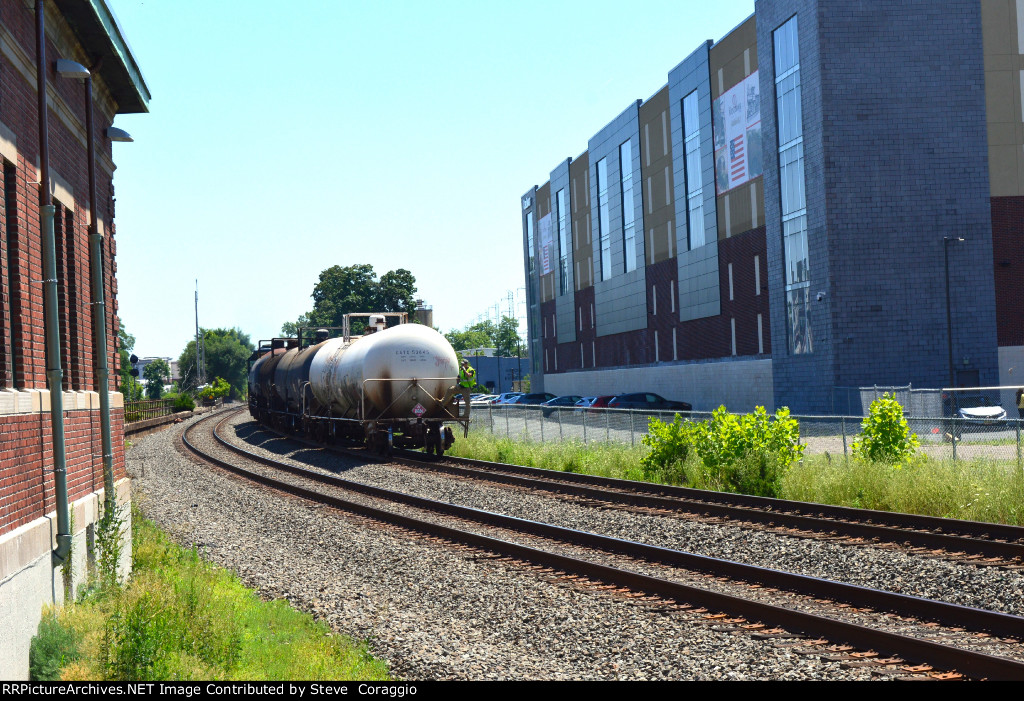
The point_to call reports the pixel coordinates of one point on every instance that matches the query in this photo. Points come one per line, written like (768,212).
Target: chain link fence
(941,437)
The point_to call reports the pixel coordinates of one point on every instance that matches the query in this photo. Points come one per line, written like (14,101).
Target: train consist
(391,386)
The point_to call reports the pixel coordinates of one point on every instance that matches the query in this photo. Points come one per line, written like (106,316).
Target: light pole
(946,240)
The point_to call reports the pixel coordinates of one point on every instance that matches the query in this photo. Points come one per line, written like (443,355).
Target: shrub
(53,647)
(750,453)
(219,388)
(747,454)
(670,446)
(885,436)
(184,402)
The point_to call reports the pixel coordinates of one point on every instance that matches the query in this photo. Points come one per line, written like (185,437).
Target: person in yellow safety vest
(467,375)
(467,381)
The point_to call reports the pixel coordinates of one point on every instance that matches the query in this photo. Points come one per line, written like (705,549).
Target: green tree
(885,435)
(355,289)
(129,387)
(157,374)
(395,292)
(291,328)
(227,353)
(472,337)
(506,337)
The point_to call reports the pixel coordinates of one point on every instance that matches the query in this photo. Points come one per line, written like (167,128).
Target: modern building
(789,214)
(85,32)
(497,373)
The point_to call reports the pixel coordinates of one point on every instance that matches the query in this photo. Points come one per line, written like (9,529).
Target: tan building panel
(731,61)
(656,170)
(1002,23)
(579,191)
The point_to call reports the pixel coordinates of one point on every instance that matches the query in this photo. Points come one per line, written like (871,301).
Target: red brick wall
(26,461)
(68,159)
(1008,262)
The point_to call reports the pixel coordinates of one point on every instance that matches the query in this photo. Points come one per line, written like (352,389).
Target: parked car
(566,400)
(972,413)
(648,401)
(600,402)
(532,399)
(583,404)
(481,399)
(504,397)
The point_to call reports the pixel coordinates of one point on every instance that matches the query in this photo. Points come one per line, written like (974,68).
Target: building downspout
(54,374)
(99,311)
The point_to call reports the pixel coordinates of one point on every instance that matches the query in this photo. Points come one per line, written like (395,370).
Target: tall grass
(604,459)
(976,490)
(182,618)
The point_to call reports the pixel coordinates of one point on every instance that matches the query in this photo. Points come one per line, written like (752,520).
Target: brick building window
(75,280)
(12,304)
(63,287)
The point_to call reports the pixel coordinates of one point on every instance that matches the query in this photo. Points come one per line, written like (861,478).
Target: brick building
(83,31)
(775,222)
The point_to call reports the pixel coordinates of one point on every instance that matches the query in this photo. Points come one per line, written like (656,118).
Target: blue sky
(284,138)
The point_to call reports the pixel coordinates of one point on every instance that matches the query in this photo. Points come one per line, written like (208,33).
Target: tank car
(389,386)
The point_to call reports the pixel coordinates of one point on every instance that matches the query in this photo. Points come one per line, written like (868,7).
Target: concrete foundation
(29,582)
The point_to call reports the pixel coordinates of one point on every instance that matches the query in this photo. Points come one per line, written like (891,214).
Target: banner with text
(736,119)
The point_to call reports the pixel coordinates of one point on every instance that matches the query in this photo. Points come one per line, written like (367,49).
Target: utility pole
(200,360)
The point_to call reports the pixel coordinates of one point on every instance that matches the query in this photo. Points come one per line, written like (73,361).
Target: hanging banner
(736,119)
(547,246)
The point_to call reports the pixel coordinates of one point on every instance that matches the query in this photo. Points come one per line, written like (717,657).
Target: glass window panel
(603,220)
(694,181)
(629,245)
(529,240)
(787,53)
(691,115)
(626,160)
(563,245)
(696,212)
(628,214)
(797,308)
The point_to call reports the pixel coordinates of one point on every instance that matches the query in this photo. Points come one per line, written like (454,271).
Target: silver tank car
(406,371)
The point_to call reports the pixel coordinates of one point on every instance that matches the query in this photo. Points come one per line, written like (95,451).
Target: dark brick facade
(1008,260)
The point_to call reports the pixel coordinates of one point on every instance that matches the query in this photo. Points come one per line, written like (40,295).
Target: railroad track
(856,644)
(978,543)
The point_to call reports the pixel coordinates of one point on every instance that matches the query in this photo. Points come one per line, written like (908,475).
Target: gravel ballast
(438,612)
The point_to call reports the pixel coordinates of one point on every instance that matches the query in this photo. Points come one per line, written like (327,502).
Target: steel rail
(857,523)
(966,661)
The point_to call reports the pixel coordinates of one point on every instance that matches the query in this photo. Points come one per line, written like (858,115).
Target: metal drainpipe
(54,374)
(99,311)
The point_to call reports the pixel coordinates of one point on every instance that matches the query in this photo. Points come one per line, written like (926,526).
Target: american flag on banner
(738,159)
(546,244)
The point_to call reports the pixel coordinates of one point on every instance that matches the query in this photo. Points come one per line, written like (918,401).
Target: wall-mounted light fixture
(115,134)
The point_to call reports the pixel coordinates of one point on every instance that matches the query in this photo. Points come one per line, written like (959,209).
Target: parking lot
(1000,440)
